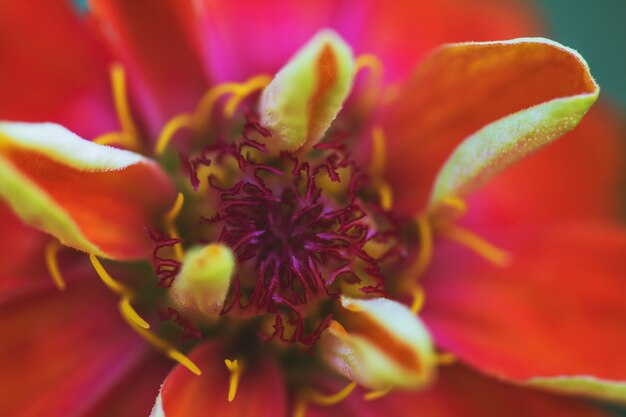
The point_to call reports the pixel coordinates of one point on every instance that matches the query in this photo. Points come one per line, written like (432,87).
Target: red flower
(374,265)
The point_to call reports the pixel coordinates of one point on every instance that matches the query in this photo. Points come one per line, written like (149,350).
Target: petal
(305,96)
(557,312)
(151,43)
(56,73)
(94,198)
(383,345)
(261,391)
(61,351)
(525,193)
(134,395)
(458,392)
(463,87)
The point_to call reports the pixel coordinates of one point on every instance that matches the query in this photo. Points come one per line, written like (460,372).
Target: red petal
(134,395)
(557,311)
(261,390)
(150,41)
(459,392)
(62,350)
(52,69)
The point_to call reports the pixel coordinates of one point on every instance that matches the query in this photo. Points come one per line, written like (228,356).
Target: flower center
(297,244)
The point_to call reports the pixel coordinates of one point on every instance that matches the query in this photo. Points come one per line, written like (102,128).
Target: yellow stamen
(135,321)
(110,139)
(235,368)
(170,224)
(445,358)
(311,396)
(419,297)
(457,204)
(379,152)
(207,102)
(371,62)
(425,255)
(51,252)
(175,124)
(244,90)
(377,169)
(120,97)
(479,245)
(373,395)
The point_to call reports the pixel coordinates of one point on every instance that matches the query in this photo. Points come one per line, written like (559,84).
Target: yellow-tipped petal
(204,279)
(380,344)
(305,96)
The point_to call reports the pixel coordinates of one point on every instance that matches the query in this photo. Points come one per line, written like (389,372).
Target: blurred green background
(597,29)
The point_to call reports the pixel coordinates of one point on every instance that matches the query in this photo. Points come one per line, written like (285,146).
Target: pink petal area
(62,350)
(52,69)
(91,197)
(557,311)
(150,41)
(261,391)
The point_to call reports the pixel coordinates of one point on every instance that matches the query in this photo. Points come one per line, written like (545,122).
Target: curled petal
(307,93)
(91,197)
(383,345)
(507,98)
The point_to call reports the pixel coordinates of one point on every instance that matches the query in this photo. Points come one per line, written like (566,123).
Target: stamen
(457,204)
(419,296)
(136,322)
(170,220)
(129,134)
(51,252)
(445,358)
(371,62)
(373,395)
(207,102)
(235,368)
(126,310)
(310,396)
(377,169)
(425,255)
(491,253)
(170,129)
(244,90)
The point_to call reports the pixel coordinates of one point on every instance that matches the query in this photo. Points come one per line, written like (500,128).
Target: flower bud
(380,345)
(202,284)
(304,97)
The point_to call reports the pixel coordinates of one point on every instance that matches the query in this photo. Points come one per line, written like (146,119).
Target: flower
(322,239)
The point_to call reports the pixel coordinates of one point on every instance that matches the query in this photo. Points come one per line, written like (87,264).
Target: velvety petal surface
(61,351)
(581,175)
(52,69)
(556,312)
(91,197)
(261,391)
(151,42)
(459,392)
(462,88)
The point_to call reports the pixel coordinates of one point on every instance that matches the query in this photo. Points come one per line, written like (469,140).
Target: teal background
(597,29)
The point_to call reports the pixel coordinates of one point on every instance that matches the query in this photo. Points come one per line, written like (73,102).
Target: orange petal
(460,89)
(557,311)
(261,391)
(91,197)
(62,350)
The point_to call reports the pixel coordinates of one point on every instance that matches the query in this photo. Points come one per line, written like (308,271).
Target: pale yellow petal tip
(204,279)
(306,95)
(391,349)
